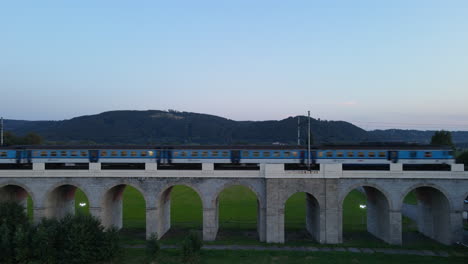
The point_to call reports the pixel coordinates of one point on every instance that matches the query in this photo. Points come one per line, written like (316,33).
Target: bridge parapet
(457,171)
(457,167)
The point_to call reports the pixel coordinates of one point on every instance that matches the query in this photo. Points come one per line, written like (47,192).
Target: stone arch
(433,211)
(214,203)
(17,192)
(313,214)
(425,184)
(363,184)
(164,205)
(21,185)
(223,187)
(111,202)
(62,183)
(59,200)
(191,186)
(378,210)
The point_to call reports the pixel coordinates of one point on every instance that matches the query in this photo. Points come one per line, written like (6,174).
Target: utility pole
(1,131)
(298,130)
(308,141)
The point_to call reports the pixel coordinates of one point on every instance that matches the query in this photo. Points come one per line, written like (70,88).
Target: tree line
(31,138)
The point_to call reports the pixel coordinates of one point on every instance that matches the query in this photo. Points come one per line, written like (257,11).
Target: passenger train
(346,154)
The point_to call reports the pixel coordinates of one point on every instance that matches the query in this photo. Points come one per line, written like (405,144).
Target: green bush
(74,239)
(13,224)
(152,248)
(84,240)
(191,247)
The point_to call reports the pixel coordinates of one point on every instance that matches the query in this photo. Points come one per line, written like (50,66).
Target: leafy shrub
(152,248)
(13,223)
(191,247)
(74,239)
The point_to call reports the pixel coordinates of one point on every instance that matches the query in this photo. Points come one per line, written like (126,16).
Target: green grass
(134,215)
(237,208)
(136,256)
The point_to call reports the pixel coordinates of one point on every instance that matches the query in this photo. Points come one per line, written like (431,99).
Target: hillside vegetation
(173,127)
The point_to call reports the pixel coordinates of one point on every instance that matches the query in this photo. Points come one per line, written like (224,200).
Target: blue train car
(349,154)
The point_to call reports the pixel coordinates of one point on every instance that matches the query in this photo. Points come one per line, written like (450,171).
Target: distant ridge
(173,127)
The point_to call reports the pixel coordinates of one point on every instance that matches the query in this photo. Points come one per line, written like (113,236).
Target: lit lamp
(363,207)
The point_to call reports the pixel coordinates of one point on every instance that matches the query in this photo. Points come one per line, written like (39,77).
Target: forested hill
(172,127)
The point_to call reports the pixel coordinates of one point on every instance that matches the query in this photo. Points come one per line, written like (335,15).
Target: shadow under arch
(239,210)
(427,207)
(366,207)
(123,205)
(64,199)
(181,207)
(302,210)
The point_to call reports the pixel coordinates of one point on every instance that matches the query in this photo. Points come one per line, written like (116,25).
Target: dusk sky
(377,64)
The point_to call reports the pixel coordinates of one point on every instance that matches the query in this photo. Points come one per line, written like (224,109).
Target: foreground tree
(463,158)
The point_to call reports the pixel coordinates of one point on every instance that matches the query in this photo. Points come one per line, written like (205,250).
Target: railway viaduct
(440,195)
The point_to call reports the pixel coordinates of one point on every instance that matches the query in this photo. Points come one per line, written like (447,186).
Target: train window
(339,154)
(371,154)
(133,153)
(256,154)
(329,154)
(360,154)
(103,153)
(287,154)
(428,154)
(276,154)
(73,153)
(174,154)
(63,153)
(143,153)
(320,154)
(382,154)
(450,153)
(350,154)
(43,153)
(84,154)
(225,154)
(36,153)
(245,153)
(266,154)
(183,153)
(214,153)
(294,153)
(53,153)
(123,153)
(150,153)
(114,153)
(3,154)
(413,154)
(204,154)
(194,153)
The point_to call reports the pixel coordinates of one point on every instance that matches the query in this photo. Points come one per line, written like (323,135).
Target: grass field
(259,257)
(238,216)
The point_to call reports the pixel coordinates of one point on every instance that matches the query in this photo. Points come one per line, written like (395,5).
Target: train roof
(374,146)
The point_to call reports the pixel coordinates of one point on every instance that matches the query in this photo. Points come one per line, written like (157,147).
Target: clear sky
(378,64)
